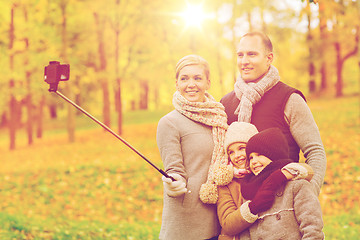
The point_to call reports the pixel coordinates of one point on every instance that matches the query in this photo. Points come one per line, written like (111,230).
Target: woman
(189,139)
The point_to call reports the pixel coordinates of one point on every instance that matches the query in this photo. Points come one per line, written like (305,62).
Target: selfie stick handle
(113,133)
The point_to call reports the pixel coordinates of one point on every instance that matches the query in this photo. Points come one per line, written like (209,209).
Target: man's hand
(294,171)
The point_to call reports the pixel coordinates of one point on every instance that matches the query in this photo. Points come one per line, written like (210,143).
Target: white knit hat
(222,172)
(239,132)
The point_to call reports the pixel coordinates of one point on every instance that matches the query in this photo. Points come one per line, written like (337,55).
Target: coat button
(278,216)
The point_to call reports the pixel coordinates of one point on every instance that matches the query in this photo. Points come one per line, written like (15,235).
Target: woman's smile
(192,83)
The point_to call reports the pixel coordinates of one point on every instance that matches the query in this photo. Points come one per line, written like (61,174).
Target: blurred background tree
(123,53)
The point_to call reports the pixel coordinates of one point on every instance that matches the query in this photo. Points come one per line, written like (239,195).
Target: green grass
(21,227)
(342,227)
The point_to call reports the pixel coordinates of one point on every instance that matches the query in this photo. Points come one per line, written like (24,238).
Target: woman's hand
(174,188)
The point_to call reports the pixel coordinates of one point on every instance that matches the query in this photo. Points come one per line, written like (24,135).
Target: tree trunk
(29,107)
(4,120)
(339,65)
(102,56)
(70,108)
(156,98)
(263,23)
(323,46)
(144,95)
(14,119)
(28,99)
(40,117)
(106,101)
(341,57)
(52,111)
(219,29)
(118,104)
(234,40)
(310,43)
(340,60)
(13,105)
(118,101)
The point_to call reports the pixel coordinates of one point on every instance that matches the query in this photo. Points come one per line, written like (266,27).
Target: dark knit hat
(270,143)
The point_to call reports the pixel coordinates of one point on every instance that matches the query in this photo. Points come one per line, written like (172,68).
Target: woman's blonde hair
(192,60)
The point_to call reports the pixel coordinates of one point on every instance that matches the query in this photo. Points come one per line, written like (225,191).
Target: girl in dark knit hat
(236,214)
(295,211)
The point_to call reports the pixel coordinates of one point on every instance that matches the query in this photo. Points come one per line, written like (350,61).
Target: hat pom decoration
(223,174)
(220,174)
(209,193)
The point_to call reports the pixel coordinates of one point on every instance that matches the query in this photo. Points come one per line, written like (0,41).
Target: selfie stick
(113,133)
(53,88)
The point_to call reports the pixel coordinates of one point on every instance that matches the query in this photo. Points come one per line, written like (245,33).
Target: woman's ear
(208,84)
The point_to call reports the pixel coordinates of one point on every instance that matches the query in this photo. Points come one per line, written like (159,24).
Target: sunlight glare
(193,15)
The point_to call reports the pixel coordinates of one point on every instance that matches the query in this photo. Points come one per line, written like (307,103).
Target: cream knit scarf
(251,93)
(210,113)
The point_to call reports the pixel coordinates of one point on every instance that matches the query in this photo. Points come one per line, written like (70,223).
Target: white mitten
(176,188)
(246,213)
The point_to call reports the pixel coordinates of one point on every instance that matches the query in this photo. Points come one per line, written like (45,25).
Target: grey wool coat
(186,148)
(296,214)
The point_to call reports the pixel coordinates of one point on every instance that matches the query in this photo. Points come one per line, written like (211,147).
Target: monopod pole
(113,133)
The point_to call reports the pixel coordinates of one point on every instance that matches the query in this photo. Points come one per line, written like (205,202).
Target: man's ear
(270,57)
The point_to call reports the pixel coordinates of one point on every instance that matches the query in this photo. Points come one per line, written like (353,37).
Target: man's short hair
(265,39)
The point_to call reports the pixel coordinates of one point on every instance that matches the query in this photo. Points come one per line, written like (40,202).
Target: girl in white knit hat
(234,222)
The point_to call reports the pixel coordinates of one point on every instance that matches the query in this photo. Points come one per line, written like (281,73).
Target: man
(259,97)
